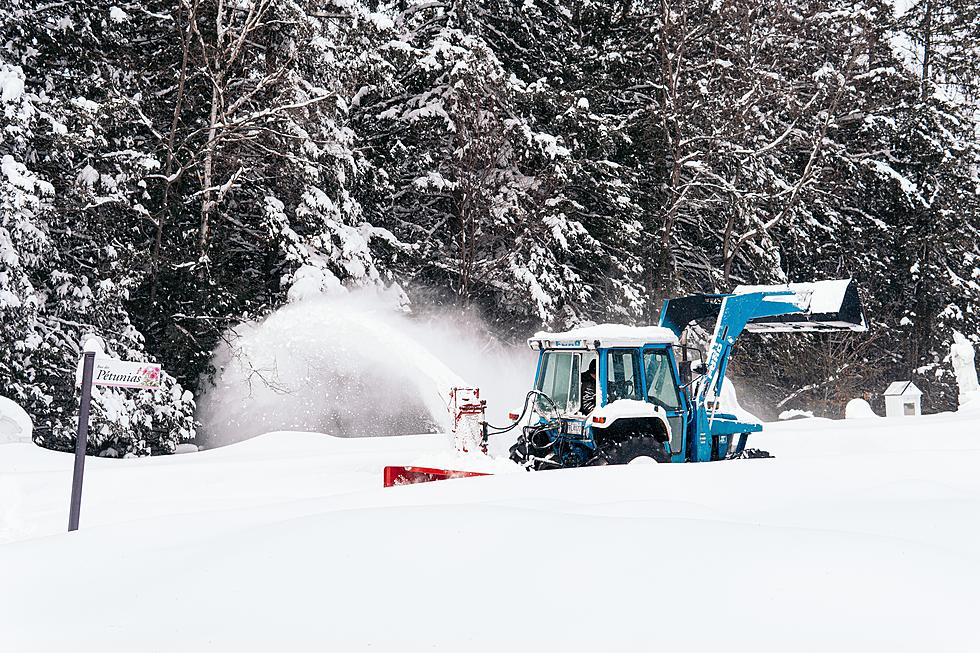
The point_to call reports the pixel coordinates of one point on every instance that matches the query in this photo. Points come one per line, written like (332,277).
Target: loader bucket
(832,305)
(395,475)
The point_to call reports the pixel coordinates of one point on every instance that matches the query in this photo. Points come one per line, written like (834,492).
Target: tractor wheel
(637,446)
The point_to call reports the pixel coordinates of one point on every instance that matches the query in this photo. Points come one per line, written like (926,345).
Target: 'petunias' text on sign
(125,374)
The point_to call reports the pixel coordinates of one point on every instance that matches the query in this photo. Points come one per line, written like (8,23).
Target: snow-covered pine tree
(86,145)
(895,195)
(945,40)
(935,171)
(533,227)
(568,57)
(260,163)
(462,167)
(24,243)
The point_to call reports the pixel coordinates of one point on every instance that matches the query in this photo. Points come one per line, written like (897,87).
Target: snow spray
(353,364)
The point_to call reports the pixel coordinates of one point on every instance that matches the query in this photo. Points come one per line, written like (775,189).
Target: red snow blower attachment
(395,475)
(466,410)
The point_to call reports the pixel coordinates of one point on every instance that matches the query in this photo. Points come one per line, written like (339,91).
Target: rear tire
(637,446)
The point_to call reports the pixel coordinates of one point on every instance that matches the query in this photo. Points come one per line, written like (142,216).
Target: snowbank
(15,423)
(858,409)
(469,462)
(795,413)
(852,538)
(962,356)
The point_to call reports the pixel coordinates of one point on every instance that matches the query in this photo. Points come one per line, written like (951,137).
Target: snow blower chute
(610,394)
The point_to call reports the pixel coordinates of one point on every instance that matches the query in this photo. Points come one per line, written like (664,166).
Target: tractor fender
(604,417)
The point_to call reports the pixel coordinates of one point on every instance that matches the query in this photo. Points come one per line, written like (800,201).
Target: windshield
(661,389)
(559,378)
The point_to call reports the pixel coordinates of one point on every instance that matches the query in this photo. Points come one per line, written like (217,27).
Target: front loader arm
(832,305)
(735,312)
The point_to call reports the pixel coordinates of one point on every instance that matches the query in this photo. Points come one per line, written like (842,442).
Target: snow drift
(855,537)
(15,423)
(962,356)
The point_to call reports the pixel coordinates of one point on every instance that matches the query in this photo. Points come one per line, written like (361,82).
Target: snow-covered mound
(962,357)
(15,424)
(795,413)
(855,537)
(858,408)
(728,401)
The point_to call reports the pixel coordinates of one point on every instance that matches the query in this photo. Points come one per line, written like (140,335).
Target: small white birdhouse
(902,398)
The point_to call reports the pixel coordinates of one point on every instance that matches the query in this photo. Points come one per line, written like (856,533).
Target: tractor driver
(588,389)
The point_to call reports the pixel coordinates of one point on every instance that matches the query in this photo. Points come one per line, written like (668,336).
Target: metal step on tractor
(610,394)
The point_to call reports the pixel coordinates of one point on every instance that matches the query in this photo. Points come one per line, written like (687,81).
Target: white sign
(117,373)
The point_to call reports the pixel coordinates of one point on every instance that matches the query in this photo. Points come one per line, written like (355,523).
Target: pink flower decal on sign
(151,376)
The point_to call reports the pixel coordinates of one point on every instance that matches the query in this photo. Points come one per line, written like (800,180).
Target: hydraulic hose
(497,430)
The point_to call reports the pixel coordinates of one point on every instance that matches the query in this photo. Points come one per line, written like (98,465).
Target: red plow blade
(395,475)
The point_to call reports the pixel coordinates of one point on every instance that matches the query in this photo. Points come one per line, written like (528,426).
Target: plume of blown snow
(353,364)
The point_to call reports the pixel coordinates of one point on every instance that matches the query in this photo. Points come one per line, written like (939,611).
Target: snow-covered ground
(861,535)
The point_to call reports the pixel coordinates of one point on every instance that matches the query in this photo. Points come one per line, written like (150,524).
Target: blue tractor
(610,394)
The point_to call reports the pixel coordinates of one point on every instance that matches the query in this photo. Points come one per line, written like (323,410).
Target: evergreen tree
(76,150)
(170,169)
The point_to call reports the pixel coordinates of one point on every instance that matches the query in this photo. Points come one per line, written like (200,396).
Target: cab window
(661,389)
(622,378)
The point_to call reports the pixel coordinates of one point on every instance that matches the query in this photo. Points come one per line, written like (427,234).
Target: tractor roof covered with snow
(603,335)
